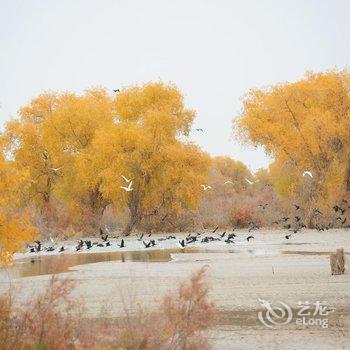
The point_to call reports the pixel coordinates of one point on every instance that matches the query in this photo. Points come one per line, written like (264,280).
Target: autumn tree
(303,126)
(48,138)
(15,221)
(234,172)
(144,145)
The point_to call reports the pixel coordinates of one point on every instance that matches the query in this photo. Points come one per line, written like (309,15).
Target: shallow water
(47,264)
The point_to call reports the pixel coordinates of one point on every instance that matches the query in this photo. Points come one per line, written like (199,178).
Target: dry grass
(53,320)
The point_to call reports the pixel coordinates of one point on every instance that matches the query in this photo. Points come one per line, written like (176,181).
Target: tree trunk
(133,221)
(347,188)
(135,218)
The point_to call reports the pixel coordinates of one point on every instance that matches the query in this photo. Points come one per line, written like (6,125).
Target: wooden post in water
(337,262)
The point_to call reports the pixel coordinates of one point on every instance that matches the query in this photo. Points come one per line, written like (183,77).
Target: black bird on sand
(182,243)
(147,245)
(287,236)
(79,245)
(122,244)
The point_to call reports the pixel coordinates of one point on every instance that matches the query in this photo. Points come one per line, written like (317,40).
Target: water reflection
(43,265)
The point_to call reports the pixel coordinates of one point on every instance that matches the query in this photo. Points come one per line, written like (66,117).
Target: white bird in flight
(205,187)
(307,173)
(127,189)
(126,179)
(228,182)
(55,170)
(251,182)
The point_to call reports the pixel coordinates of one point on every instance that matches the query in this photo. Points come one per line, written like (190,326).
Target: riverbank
(269,267)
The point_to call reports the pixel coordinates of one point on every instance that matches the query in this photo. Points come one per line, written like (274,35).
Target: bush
(53,320)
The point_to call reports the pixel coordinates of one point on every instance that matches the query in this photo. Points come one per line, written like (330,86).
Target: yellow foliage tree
(144,146)
(75,148)
(15,224)
(232,170)
(303,126)
(48,139)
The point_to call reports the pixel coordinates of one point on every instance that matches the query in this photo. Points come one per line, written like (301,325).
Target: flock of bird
(147,241)
(293,224)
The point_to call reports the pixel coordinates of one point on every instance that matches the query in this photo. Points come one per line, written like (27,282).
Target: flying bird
(116,90)
(126,179)
(199,129)
(228,182)
(309,173)
(127,189)
(206,187)
(250,182)
(140,238)
(147,245)
(182,244)
(55,170)
(249,238)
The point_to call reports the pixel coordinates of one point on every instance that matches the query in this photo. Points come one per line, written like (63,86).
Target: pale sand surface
(268,267)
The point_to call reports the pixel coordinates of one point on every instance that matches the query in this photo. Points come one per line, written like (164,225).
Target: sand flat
(269,267)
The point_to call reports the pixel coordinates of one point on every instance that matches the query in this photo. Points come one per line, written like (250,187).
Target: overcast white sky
(214,51)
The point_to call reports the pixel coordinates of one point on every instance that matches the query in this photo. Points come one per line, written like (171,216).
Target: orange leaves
(304,124)
(74,149)
(143,146)
(15,224)
(154,104)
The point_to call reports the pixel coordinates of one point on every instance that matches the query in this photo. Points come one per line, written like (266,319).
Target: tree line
(64,160)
